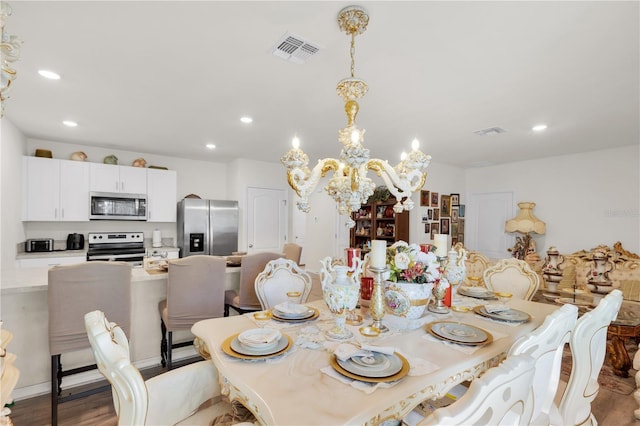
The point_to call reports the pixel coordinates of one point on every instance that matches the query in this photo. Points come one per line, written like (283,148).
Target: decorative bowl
(406,299)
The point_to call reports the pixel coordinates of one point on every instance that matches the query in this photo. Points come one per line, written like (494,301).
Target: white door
(486,216)
(266,219)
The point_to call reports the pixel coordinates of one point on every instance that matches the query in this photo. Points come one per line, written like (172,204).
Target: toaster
(38,245)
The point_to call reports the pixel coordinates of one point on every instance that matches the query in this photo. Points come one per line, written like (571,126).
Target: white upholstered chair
(512,276)
(279,277)
(588,346)
(546,345)
(245,299)
(501,396)
(170,398)
(74,290)
(292,251)
(195,291)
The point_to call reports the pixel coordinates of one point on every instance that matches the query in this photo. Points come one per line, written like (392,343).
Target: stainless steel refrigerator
(207,227)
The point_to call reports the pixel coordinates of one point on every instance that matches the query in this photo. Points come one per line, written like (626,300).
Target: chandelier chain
(352,53)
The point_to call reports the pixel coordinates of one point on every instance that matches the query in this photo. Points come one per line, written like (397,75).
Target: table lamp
(525,223)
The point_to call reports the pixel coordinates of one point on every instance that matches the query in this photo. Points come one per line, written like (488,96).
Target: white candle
(441,242)
(378,253)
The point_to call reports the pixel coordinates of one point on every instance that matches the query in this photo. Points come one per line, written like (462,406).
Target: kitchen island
(24,310)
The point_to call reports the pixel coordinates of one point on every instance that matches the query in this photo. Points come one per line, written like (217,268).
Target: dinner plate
(510,315)
(393,366)
(478,294)
(307,313)
(404,370)
(488,340)
(458,332)
(570,301)
(232,347)
(375,361)
(313,316)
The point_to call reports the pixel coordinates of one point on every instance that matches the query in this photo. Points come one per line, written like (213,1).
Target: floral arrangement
(408,263)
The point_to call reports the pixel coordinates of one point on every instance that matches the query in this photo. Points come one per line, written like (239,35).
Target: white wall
(13,146)
(585,199)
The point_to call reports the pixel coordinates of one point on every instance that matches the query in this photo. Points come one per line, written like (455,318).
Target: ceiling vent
(490,131)
(294,48)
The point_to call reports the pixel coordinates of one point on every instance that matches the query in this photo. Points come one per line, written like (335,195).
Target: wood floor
(609,408)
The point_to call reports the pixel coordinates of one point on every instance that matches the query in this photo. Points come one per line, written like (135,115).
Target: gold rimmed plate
(404,370)
(314,315)
(459,333)
(510,315)
(230,342)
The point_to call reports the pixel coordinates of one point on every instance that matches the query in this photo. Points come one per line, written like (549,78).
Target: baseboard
(93,376)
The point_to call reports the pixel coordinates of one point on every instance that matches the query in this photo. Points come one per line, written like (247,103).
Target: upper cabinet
(161,195)
(112,178)
(55,190)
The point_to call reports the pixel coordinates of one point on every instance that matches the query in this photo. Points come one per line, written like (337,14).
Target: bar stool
(245,299)
(73,291)
(195,291)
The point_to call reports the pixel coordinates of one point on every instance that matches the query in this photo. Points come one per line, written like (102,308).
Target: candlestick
(378,254)
(376,304)
(441,242)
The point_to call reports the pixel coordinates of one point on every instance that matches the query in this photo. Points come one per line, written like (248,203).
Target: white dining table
(292,390)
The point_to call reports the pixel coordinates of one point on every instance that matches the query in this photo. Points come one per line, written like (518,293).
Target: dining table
(301,384)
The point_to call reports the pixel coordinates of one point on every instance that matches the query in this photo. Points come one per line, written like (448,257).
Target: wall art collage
(443,214)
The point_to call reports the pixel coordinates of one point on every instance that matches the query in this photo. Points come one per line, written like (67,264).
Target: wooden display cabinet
(377,220)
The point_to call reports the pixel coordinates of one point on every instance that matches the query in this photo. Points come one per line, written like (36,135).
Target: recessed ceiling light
(211,146)
(246,120)
(49,74)
(539,127)
(69,123)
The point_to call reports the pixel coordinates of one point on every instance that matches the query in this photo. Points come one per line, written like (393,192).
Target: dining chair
(512,276)
(546,345)
(503,395)
(245,299)
(170,398)
(279,277)
(588,347)
(74,290)
(476,264)
(195,291)
(292,251)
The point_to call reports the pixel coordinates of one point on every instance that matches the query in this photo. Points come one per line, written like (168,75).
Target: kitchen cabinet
(55,190)
(161,195)
(378,221)
(113,178)
(48,262)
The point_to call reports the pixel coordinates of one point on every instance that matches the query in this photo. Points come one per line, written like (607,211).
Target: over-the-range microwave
(116,206)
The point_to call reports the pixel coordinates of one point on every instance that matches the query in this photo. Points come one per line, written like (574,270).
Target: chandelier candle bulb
(441,242)
(378,253)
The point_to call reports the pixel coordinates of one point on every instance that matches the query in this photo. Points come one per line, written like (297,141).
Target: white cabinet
(112,178)
(161,195)
(54,190)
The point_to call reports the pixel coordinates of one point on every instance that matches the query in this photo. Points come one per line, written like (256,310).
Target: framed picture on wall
(435,229)
(455,199)
(425,217)
(444,225)
(461,238)
(425,198)
(427,228)
(454,241)
(461,210)
(445,206)
(454,228)
(461,226)
(436,214)
(455,213)
(434,199)
(430,214)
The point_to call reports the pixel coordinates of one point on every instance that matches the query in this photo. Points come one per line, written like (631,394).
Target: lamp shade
(525,221)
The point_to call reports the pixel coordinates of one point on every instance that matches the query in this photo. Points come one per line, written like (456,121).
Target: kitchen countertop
(49,254)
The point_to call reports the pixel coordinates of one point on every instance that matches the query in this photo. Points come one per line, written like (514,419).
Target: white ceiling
(168,77)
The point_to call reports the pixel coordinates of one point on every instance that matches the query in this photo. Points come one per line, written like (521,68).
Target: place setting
(477,293)
(294,312)
(257,344)
(502,312)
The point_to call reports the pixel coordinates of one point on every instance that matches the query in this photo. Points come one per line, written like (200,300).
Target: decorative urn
(341,291)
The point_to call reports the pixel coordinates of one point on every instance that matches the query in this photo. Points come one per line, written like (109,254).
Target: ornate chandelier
(349,186)
(10,52)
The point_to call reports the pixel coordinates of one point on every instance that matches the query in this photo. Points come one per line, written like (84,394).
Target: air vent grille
(295,49)
(490,131)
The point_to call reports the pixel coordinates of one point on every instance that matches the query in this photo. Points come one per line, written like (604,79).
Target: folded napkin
(291,308)
(344,351)
(259,336)
(492,308)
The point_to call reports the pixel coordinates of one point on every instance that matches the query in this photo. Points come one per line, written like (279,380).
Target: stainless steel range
(117,246)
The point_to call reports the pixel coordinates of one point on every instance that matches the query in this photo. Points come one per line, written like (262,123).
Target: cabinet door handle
(122,186)
(55,213)
(117,183)
(61,213)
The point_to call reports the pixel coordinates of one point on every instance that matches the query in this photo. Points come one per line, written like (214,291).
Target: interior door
(266,219)
(486,217)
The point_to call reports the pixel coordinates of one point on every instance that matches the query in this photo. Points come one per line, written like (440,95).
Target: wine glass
(503,297)
(458,312)
(293,297)
(261,318)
